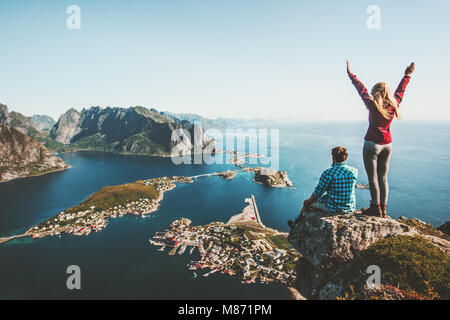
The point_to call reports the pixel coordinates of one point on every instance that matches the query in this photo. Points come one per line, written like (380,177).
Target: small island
(227,175)
(242,247)
(270,177)
(267,177)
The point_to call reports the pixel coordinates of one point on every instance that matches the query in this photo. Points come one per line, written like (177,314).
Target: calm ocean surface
(120,263)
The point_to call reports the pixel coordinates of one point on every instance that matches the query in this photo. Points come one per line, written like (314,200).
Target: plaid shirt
(339,184)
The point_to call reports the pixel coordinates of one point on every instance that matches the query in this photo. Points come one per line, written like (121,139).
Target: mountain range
(134,130)
(221,123)
(26,142)
(20,122)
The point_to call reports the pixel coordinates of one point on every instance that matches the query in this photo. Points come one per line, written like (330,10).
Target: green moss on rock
(412,264)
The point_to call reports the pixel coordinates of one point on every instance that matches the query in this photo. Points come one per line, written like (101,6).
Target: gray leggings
(376,160)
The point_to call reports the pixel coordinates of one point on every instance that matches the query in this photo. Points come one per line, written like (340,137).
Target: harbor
(242,247)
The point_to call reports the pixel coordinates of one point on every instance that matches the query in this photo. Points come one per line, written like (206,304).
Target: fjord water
(120,263)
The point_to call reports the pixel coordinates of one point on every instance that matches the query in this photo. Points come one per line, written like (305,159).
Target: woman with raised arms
(377,150)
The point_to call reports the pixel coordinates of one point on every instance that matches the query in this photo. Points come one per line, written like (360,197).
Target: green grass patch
(108,197)
(280,241)
(409,263)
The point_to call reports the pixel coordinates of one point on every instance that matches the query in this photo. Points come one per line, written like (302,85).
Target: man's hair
(340,154)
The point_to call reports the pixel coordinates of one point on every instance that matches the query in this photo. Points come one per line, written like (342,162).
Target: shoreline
(102,217)
(242,247)
(37,175)
(29,232)
(158,200)
(6,239)
(136,154)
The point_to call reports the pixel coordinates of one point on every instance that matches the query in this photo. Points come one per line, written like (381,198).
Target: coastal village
(139,198)
(83,222)
(242,247)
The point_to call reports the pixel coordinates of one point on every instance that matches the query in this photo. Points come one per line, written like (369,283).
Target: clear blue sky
(232,58)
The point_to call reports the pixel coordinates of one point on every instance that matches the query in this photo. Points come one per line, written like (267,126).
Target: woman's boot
(383,211)
(374,210)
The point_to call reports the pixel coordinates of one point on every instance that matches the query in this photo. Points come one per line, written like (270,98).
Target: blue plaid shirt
(339,184)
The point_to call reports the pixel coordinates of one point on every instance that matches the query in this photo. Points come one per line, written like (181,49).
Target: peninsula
(243,247)
(141,197)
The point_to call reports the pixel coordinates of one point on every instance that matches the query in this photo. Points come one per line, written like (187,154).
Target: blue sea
(120,263)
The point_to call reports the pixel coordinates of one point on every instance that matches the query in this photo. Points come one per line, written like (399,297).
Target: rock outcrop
(270,177)
(67,127)
(445,228)
(329,242)
(135,130)
(21,156)
(16,120)
(4,114)
(437,236)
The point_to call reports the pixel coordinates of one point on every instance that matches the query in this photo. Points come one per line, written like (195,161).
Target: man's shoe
(374,210)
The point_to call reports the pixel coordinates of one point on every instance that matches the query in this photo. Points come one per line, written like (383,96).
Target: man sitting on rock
(335,192)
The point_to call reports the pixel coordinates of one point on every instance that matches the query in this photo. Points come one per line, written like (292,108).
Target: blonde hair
(383,99)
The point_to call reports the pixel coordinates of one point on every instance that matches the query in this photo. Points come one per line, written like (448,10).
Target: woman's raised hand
(348,67)
(410,69)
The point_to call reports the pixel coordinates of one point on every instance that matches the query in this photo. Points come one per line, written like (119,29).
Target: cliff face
(4,115)
(445,228)
(21,156)
(24,124)
(330,244)
(134,130)
(66,127)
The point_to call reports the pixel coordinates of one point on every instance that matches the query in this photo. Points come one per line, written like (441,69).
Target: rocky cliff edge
(332,245)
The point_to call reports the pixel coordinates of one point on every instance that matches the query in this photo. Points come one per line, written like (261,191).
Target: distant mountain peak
(20,122)
(4,114)
(43,122)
